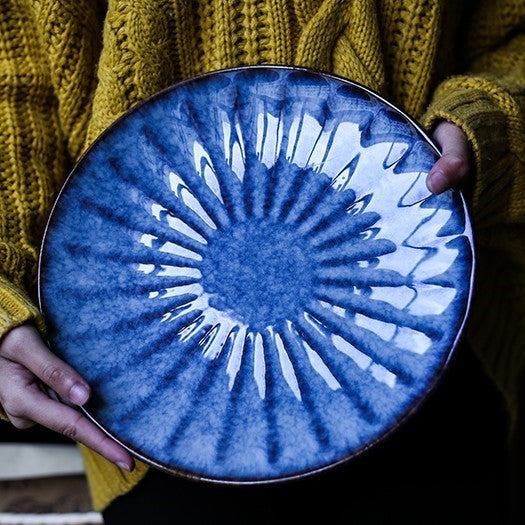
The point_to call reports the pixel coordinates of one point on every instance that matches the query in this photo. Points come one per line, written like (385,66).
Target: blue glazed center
(259,272)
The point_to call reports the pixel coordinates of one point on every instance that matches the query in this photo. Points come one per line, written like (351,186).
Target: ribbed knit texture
(69,69)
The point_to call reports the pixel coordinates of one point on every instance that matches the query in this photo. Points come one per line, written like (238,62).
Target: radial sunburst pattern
(252,275)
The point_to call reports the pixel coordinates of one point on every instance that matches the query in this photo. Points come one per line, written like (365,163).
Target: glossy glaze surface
(252,275)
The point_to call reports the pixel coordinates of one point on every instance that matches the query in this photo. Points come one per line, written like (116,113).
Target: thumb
(453,166)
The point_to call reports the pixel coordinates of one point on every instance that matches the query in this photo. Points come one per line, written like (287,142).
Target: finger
(25,346)
(451,169)
(73,424)
(25,404)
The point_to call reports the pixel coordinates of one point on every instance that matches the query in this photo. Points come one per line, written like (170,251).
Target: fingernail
(124,466)
(79,394)
(437,182)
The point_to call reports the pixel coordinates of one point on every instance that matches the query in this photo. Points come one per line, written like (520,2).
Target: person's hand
(452,168)
(24,360)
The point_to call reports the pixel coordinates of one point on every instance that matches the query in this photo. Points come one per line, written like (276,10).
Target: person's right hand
(24,360)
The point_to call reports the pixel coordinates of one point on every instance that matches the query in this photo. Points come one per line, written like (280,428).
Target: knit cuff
(484,123)
(17,308)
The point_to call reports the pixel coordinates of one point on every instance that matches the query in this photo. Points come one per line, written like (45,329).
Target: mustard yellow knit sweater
(69,68)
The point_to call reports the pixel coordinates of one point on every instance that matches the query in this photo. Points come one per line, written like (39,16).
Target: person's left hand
(452,168)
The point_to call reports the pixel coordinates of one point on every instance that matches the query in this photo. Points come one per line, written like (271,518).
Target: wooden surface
(45,495)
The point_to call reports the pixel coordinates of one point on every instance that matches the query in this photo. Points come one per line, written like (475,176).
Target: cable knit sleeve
(31,153)
(47,61)
(488,103)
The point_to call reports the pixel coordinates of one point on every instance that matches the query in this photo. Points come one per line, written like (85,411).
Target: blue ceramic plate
(249,270)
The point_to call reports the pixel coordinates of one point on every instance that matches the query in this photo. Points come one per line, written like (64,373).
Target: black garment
(447,464)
